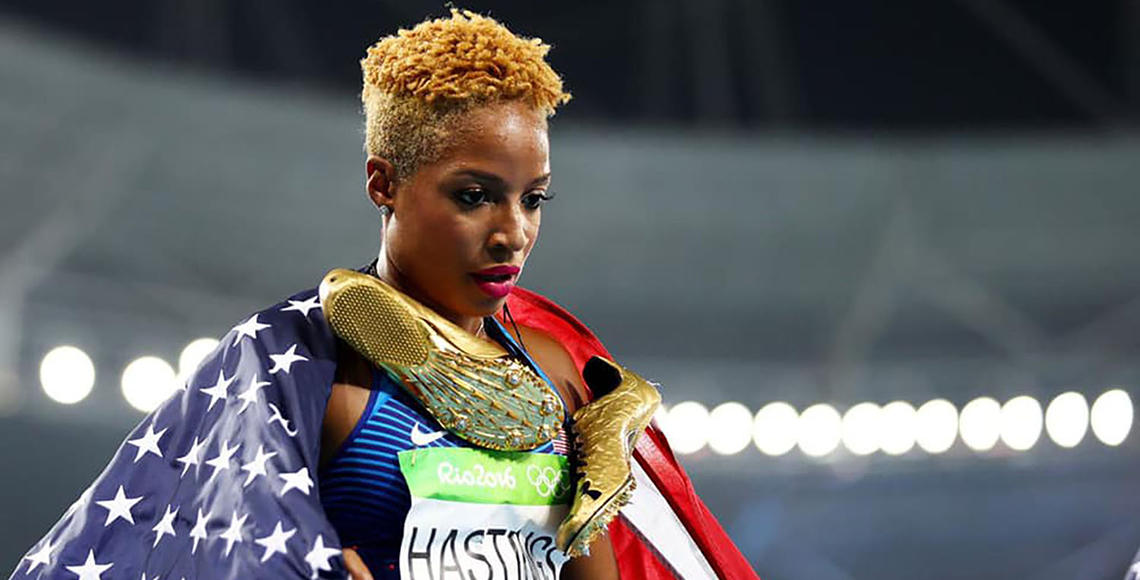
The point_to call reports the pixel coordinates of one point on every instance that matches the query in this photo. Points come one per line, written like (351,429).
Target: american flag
(218,482)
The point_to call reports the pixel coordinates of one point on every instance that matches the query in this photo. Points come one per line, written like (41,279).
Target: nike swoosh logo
(421,438)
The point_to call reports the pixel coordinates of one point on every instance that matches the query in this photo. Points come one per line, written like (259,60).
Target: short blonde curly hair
(418,81)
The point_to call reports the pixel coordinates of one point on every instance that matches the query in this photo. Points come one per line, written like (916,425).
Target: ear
(380,180)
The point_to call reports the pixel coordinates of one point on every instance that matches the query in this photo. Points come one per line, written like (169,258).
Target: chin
(484,305)
(492,307)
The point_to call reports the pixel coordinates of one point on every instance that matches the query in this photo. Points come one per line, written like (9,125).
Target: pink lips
(496,282)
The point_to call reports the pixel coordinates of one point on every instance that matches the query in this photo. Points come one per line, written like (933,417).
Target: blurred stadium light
(895,428)
(147,382)
(936,426)
(688,426)
(1111,417)
(730,428)
(1067,419)
(1021,422)
(819,430)
(979,424)
(775,431)
(899,429)
(861,428)
(67,374)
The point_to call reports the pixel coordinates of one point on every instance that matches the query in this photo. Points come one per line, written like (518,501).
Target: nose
(509,233)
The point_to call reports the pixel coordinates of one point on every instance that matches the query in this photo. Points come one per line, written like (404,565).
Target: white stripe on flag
(652,517)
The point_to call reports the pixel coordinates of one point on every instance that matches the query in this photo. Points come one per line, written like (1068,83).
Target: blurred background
(881,255)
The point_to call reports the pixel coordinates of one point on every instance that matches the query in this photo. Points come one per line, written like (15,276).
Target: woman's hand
(356,568)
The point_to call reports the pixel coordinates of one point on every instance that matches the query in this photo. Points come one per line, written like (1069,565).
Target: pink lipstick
(496,282)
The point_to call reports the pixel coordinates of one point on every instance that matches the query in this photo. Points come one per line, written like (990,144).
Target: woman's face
(478,207)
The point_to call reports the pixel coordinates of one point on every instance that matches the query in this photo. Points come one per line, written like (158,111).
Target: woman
(458,164)
(219,481)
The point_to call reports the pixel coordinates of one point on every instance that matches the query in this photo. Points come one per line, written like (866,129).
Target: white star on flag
(285,360)
(90,570)
(233,533)
(148,443)
(218,391)
(192,457)
(249,396)
(296,480)
(222,461)
(119,507)
(277,417)
(318,557)
(165,525)
(257,466)
(199,530)
(248,328)
(42,556)
(303,306)
(275,543)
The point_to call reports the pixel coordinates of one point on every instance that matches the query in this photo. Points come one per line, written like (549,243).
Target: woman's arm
(346,404)
(347,401)
(357,570)
(557,364)
(599,564)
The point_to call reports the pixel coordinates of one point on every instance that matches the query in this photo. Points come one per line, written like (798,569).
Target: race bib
(478,514)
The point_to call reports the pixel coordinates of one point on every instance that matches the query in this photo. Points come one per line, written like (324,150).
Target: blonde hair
(418,81)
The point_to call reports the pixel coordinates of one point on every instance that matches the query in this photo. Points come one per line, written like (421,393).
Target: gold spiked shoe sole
(605,433)
(472,386)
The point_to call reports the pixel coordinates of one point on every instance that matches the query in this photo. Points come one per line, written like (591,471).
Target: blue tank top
(361,488)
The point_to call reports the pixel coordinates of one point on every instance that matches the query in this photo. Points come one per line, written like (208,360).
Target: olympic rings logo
(547,481)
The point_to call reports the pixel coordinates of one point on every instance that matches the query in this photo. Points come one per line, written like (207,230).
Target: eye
(471,197)
(535,199)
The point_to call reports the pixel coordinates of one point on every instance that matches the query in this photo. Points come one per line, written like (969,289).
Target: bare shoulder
(556,362)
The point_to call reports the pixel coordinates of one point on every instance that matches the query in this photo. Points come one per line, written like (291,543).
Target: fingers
(356,568)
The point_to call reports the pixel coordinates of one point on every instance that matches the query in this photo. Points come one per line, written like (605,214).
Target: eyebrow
(496,180)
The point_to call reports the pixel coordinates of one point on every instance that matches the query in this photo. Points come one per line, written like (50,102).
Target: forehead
(507,137)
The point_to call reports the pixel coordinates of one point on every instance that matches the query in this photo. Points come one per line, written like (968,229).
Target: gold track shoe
(472,386)
(605,432)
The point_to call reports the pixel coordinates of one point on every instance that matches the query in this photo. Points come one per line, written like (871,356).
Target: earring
(385,211)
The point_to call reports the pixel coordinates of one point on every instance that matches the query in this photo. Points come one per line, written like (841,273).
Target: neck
(392,276)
